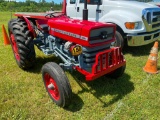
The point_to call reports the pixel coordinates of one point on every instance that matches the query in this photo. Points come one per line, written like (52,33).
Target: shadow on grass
(106,86)
(40,61)
(76,103)
(138,50)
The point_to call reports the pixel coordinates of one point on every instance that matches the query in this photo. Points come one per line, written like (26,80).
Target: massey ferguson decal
(69,34)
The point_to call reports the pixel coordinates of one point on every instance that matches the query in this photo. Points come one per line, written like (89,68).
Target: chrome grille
(151,18)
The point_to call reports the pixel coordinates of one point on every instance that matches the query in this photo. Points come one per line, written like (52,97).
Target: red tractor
(81,44)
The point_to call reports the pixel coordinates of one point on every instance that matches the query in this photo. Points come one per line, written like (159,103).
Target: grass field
(135,95)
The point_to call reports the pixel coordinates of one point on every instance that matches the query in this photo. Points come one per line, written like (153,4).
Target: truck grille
(151,18)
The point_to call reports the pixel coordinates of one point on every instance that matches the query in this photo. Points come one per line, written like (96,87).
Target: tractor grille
(151,18)
(107,59)
(101,35)
(89,55)
(95,60)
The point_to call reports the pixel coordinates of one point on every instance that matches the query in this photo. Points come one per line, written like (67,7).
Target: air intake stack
(85,11)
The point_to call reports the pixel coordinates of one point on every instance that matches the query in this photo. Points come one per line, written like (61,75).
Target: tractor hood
(78,31)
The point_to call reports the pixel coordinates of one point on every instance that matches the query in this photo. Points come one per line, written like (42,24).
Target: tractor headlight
(132,25)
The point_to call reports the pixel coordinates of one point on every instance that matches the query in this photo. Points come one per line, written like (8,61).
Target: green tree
(28,6)
(1,1)
(11,6)
(43,1)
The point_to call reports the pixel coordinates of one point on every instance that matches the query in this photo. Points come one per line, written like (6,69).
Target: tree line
(29,6)
(32,6)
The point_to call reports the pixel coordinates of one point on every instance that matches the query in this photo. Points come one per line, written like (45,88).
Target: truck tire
(22,43)
(119,41)
(56,84)
(117,73)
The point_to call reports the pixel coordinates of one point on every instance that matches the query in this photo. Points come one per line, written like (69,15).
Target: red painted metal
(106,62)
(36,15)
(31,15)
(53,92)
(29,26)
(64,7)
(77,27)
(14,46)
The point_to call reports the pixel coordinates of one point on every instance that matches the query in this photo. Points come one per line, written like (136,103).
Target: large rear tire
(119,42)
(56,84)
(22,43)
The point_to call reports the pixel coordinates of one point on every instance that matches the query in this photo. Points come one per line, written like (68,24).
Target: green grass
(135,95)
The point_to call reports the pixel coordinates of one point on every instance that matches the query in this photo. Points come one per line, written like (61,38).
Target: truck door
(95,11)
(71,8)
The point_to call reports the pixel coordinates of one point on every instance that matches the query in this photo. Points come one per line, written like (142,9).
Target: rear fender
(30,27)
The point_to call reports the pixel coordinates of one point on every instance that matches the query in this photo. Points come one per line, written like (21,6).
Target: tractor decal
(70,34)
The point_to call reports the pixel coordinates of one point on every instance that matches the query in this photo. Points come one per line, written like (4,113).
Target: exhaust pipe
(85,11)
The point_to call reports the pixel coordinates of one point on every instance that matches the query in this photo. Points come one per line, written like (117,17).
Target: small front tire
(56,84)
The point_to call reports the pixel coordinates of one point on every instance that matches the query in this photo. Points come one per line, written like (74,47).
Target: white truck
(138,23)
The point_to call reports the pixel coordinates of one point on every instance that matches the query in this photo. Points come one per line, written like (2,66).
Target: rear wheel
(56,84)
(119,41)
(22,43)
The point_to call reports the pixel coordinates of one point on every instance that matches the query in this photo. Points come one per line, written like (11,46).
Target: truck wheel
(22,43)
(119,42)
(117,73)
(56,84)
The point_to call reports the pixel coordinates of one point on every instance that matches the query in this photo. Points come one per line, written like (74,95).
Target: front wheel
(56,84)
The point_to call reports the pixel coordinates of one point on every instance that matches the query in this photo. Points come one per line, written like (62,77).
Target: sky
(56,1)
(156,0)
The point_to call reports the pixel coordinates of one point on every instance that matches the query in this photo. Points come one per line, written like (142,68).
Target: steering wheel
(50,15)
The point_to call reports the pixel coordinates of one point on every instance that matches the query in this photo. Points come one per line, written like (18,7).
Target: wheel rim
(15,48)
(51,86)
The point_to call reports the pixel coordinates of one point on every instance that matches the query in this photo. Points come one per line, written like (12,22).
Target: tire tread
(24,42)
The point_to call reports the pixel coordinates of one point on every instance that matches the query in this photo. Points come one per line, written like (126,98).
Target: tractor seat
(42,25)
